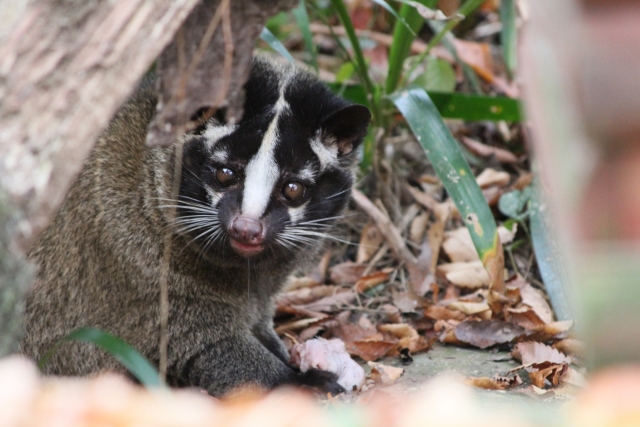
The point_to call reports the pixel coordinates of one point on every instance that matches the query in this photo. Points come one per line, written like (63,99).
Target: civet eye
(293,191)
(226,177)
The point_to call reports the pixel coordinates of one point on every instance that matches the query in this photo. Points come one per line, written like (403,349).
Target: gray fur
(99,266)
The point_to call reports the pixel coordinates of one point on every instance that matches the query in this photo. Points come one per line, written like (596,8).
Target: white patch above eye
(327,153)
(220,156)
(308,173)
(297,213)
(215,132)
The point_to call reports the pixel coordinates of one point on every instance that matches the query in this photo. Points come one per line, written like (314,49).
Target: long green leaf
(402,40)
(448,43)
(464,10)
(454,105)
(361,64)
(136,363)
(302,18)
(548,257)
(393,12)
(509,34)
(477,107)
(275,44)
(452,169)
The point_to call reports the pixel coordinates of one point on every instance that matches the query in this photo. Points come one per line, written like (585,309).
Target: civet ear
(346,127)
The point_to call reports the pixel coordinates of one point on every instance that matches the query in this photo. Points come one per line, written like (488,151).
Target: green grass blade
(463,11)
(453,105)
(395,14)
(549,258)
(361,64)
(448,43)
(477,107)
(452,169)
(402,40)
(302,18)
(373,92)
(135,363)
(509,34)
(275,44)
(468,7)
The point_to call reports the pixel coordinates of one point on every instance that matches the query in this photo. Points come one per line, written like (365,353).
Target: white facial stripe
(215,132)
(296,214)
(262,171)
(220,156)
(328,155)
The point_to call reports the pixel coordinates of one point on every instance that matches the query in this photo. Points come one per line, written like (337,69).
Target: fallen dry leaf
(385,374)
(392,312)
(487,333)
(523,316)
(408,336)
(311,332)
(495,383)
(420,273)
(329,355)
(530,353)
(484,150)
(553,330)
(538,303)
(490,177)
(470,308)
(492,195)
(523,181)
(422,198)
(570,346)
(405,302)
(366,343)
(459,247)
(370,241)
(418,227)
(469,275)
(295,325)
(478,56)
(346,273)
(300,282)
(370,350)
(533,298)
(371,280)
(304,295)
(319,273)
(435,236)
(437,312)
(327,304)
(547,371)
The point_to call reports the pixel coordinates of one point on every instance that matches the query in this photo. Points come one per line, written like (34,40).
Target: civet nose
(247,230)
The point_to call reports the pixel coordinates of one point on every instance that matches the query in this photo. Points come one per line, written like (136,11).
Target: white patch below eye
(327,154)
(215,132)
(213,195)
(297,213)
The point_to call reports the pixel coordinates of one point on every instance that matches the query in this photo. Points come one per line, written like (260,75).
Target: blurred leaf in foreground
(135,363)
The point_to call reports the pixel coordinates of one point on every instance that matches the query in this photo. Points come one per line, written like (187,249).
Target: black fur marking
(313,111)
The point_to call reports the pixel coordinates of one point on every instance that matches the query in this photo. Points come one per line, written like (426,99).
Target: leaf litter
(411,278)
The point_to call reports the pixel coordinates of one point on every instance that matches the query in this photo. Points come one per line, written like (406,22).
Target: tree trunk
(65,68)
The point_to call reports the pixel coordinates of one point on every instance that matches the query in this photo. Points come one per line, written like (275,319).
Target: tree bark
(65,68)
